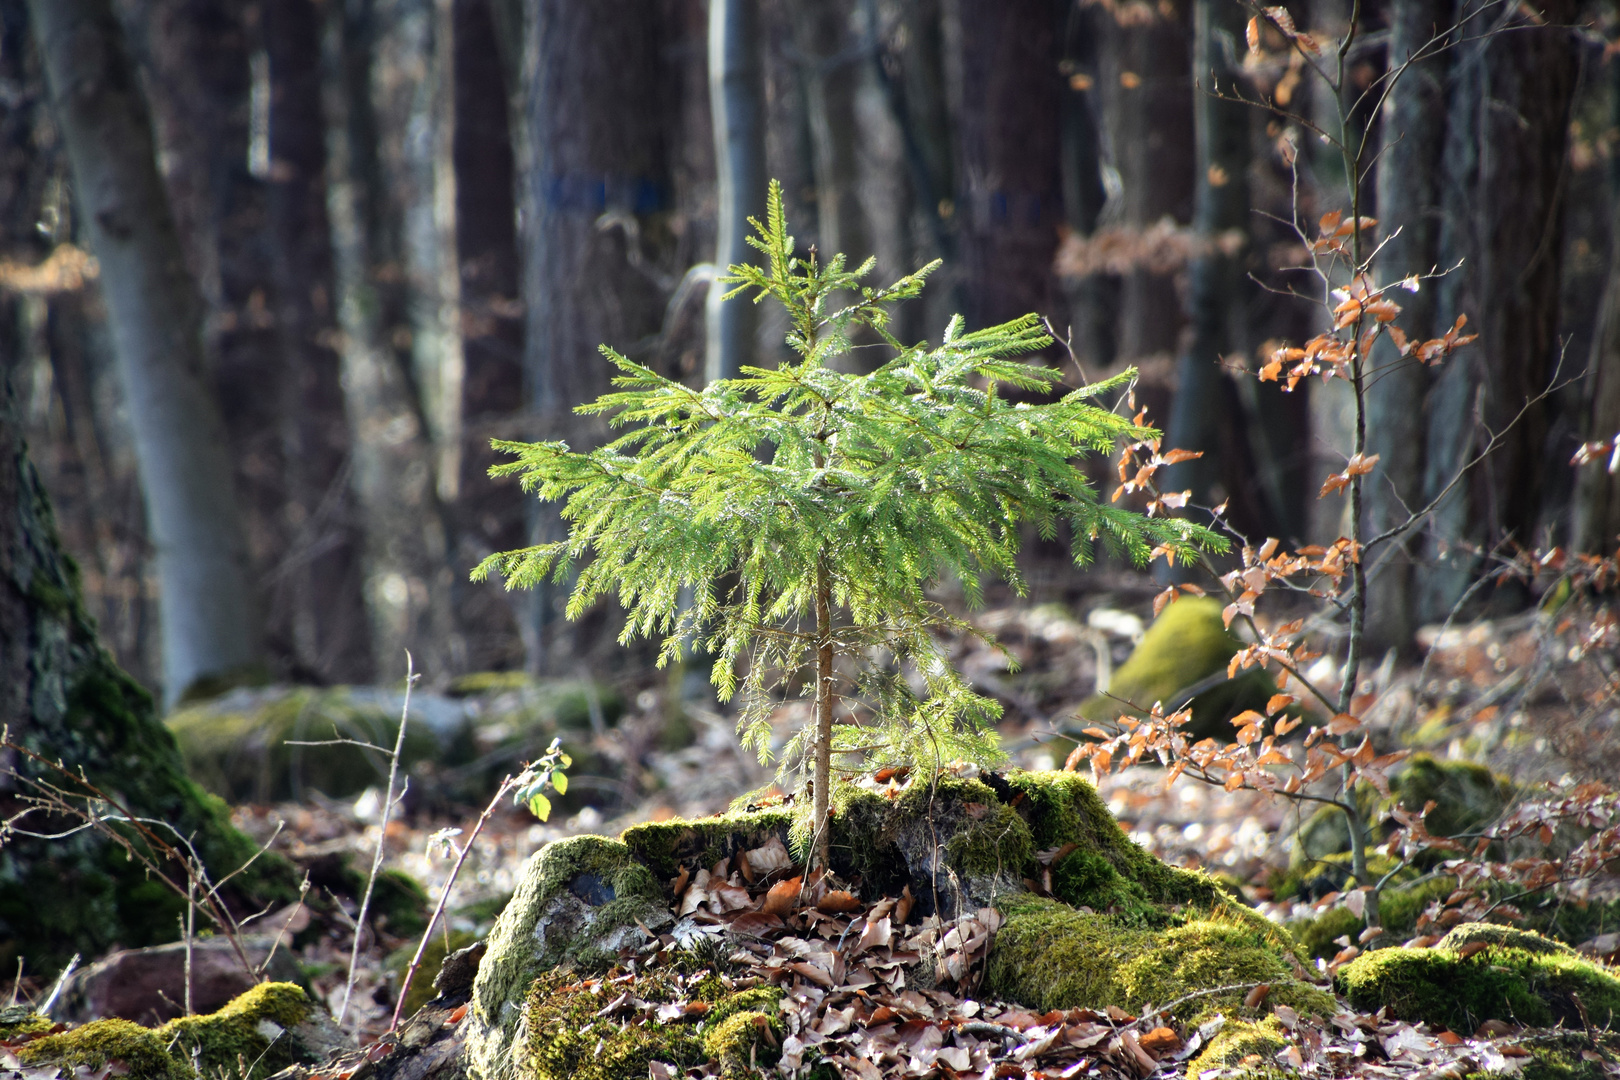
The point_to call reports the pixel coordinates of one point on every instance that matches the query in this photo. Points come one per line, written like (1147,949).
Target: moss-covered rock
(1243,1048)
(565,1038)
(1048,955)
(579,902)
(269,1027)
(667,846)
(18,1020)
(1517,976)
(1187,644)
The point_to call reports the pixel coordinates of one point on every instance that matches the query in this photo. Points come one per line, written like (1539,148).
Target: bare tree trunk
(826,36)
(1595,527)
(821,797)
(324,569)
(596,91)
(1503,205)
(488,517)
(1010,196)
(736,96)
(1204,396)
(407,570)
(210,627)
(1414,123)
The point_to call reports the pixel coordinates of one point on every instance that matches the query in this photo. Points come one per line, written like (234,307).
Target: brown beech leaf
(1254,997)
(1161,1041)
(782,897)
(838,902)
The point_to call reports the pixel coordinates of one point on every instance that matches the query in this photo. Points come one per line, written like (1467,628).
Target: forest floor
(1496,692)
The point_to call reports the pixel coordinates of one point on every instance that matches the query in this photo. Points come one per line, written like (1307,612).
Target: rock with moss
(1244,1048)
(270,1027)
(1516,975)
(668,846)
(1187,646)
(1048,955)
(580,902)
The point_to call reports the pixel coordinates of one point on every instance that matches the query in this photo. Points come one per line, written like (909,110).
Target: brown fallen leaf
(1471,949)
(783,897)
(1119,1015)
(1492,1029)
(1161,1041)
(902,907)
(1450,1038)
(1254,997)
(838,902)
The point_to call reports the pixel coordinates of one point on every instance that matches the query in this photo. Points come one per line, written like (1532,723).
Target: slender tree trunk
(1085,194)
(407,570)
(488,517)
(325,569)
(1413,137)
(1204,395)
(821,796)
(210,628)
(1595,527)
(736,95)
(596,91)
(1010,196)
(825,32)
(1503,206)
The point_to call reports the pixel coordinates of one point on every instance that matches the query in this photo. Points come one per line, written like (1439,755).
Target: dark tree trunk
(488,514)
(1409,228)
(596,91)
(1595,525)
(1506,138)
(210,628)
(63,697)
(1010,196)
(324,571)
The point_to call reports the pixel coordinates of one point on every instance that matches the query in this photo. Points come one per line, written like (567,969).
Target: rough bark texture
(1413,137)
(595,89)
(62,696)
(1503,207)
(1010,200)
(210,628)
(1596,518)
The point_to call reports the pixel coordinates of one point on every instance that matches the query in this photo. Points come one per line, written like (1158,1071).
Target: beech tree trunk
(736,102)
(211,630)
(1413,137)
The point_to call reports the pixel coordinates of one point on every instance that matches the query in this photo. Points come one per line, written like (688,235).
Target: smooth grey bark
(1413,136)
(407,570)
(736,93)
(210,625)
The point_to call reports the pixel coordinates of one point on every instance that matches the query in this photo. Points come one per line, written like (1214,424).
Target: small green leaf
(540,806)
(560,782)
(566,762)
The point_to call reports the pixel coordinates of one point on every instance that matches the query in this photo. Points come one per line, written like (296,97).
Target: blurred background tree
(401,227)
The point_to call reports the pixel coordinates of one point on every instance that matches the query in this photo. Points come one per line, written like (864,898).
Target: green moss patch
(250,1029)
(1244,1048)
(733,1032)
(1187,644)
(666,846)
(567,1040)
(1517,977)
(1050,956)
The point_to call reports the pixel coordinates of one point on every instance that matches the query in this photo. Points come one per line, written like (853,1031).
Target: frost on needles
(790,520)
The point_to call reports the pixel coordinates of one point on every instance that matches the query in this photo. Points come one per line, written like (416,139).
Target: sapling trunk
(824,674)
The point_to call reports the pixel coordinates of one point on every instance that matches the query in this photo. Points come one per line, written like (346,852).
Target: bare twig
(382,838)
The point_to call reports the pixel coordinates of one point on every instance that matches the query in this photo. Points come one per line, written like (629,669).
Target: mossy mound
(579,902)
(19,1020)
(733,1032)
(269,1027)
(1398,911)
(1467,796)
(1048,955)
(1244,1048)
(1186,645)
(667,846)
(1518,976)
(237,746)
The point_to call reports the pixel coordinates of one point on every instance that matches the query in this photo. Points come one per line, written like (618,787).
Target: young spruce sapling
(795,516)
